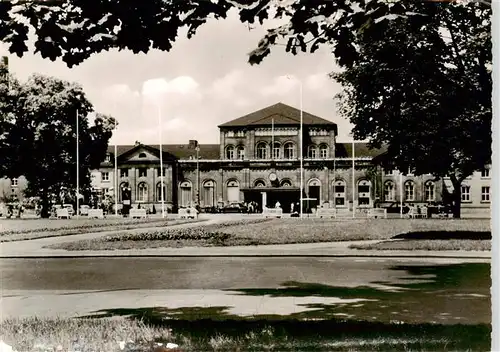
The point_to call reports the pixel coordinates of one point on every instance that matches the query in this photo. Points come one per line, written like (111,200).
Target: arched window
(159,192)
(323,151)
(240,151)
(276,150)
(209,193)
(312,152)
(286,183)
(339,190)
(142,155)
(389,191)
(186,193)
(409,191)
(430,194)
(230,152)
(289,150)
(364,188)
(259,183)
(142,192)
(262,150)
(233,191)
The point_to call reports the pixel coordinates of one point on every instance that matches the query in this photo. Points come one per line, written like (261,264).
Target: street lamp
(301,136)
(162,181)
(77,168)
(116,164)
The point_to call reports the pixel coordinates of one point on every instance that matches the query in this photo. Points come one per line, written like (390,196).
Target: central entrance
(284,195)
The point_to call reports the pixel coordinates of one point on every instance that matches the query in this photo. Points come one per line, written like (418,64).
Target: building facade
(258,159)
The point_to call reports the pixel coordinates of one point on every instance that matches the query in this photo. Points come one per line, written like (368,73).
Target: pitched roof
(180,151)
(212,151)
(282,114)
(361,149)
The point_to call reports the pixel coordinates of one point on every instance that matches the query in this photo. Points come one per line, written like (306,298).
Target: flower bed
(93,227)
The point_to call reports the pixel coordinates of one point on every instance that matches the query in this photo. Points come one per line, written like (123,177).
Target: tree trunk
(45,213)
(457,202)
(456,197)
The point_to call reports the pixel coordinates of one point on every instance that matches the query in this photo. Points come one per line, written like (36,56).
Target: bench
(326,212)
(95,214)
(377,213)
(187,213)
(62,213)
(272,212)
(137,213)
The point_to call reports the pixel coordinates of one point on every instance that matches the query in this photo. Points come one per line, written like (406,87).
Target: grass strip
(426,245)
(36,334)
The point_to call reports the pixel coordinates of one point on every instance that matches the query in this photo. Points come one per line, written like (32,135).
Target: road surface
(439,290)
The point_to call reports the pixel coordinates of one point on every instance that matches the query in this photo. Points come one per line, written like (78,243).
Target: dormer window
(108,158)
(142,155)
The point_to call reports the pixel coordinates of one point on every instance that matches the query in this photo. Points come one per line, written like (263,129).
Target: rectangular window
(485,194)
(363,189)
(105,176)
(340,201)
(143,172)
(389,172)
(465,190)
(105,190)
(124,172)
(339,189)
(108,158)
(14,182)
(158,172)
(485,173)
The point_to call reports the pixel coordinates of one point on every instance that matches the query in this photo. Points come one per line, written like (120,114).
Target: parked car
(71,211)
(84,210)
(395,208)
(235,208)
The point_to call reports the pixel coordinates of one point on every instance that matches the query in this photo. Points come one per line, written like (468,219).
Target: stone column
(264,199)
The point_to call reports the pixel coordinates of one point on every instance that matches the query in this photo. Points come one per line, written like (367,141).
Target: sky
(199,84)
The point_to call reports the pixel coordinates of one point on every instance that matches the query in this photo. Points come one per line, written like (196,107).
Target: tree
(75,29)
(39,140)
(422,86)
(450,96)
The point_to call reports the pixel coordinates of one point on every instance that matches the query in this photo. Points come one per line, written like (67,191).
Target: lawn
(277,231)
(433,241)
(19,230)
(37,335)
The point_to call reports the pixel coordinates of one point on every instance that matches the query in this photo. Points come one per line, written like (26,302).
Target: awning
(271,189)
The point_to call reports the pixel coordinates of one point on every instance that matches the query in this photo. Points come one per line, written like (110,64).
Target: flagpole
(401,195)
(334,180)
(116,177)
(162,191)
(77,169)
(272,138)
(301,153)
(353,182)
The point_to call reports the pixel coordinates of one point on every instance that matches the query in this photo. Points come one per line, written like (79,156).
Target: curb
(241,256)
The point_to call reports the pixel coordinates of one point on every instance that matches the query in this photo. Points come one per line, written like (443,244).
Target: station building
(258,159)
